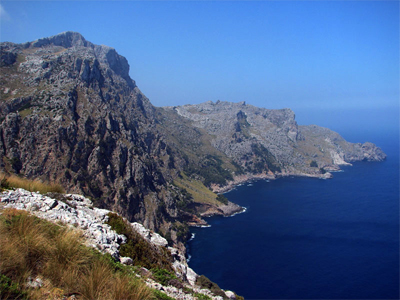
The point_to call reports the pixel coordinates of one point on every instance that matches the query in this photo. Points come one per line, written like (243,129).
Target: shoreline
(242,179)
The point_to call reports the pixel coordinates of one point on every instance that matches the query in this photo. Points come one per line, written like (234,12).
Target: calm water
(303,238)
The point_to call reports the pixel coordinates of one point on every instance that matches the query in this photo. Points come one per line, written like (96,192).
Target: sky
(334,63)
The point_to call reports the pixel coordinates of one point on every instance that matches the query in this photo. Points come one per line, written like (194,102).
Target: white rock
(126,261)
(191,276)
(230,294)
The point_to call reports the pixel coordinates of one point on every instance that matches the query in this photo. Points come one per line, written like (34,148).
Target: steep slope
(70,113)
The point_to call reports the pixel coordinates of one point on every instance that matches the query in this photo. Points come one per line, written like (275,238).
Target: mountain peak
(65,39)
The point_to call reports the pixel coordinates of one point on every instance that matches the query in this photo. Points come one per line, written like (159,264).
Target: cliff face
(70,113)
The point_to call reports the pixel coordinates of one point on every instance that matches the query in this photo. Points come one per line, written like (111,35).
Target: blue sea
(304,238)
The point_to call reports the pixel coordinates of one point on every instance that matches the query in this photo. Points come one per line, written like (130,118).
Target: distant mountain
(269,143)
(70,113)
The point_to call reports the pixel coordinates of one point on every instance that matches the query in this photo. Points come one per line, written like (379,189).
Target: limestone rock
(126,261)
(230,295)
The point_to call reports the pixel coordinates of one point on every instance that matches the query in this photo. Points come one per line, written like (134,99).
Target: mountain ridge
(70,113)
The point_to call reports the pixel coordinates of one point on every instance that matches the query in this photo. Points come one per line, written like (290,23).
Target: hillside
(70,114)
(59,246)
(258,142)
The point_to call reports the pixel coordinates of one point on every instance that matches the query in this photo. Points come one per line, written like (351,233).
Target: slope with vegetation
(42,259)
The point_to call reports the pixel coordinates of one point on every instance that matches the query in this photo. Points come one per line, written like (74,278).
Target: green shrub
(200,296)
(141,251)
(206,283)
(10,290)
(163,276)
(161,296)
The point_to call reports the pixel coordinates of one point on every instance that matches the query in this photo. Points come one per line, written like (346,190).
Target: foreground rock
(78,212)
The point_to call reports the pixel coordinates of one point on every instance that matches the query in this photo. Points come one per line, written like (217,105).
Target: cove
(303,238)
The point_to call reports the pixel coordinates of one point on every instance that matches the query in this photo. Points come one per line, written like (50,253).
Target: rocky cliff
(269,143)
(70,113)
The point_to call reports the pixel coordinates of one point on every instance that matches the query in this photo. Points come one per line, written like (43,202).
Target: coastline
(242,179)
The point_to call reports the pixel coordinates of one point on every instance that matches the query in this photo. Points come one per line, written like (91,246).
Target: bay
(304,238)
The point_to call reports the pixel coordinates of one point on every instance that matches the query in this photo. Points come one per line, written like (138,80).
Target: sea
(306,238)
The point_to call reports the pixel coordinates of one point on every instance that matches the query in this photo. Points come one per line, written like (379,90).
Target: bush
(161,296)
(200,296)
(10,290)
(163,276)
(313,164)
(141,251)
(206,283)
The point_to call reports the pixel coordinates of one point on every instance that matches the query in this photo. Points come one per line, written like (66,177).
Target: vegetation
(313,164)
(206,283)
(221,198)
(201,296)
(163,276)
(11,290)
(162,296)
(182,231)
(142,252)
(14,181)
(32,248)
(196,190)
(263,160)
(211,170)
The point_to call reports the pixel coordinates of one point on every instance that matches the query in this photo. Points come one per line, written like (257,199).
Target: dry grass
(33,248)
(13,181)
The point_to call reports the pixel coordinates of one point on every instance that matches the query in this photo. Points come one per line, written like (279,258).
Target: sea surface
(304,238)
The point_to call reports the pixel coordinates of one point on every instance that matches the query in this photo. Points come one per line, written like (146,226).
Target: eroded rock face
(72,114)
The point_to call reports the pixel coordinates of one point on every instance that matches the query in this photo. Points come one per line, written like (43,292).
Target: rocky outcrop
(74,210)
(78,212)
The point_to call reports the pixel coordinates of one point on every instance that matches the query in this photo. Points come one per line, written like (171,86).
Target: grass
(14,181)
(200,193)
(33,248)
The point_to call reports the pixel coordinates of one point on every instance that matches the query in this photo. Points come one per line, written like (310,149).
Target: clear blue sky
(329,61)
